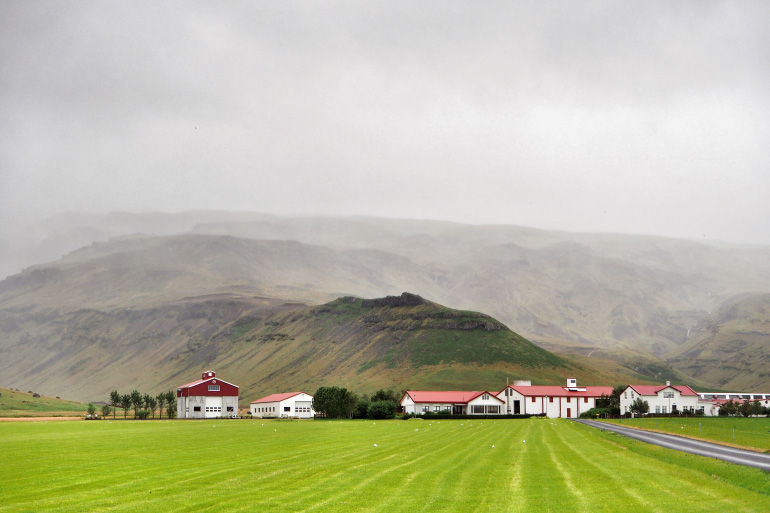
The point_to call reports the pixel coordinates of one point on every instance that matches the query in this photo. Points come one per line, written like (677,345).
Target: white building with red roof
(207,398)
(455,402)
(297,405)
(662,399)
(568,402)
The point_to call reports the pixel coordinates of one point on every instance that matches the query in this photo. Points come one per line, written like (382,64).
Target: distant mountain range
(640,301)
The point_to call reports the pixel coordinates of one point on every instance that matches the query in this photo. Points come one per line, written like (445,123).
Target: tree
(334,402)
(639,406)
(612,401)
(137,401)
(382,395)
(114,401)
(106,411)
(150,403)
(170,404)
(728,409)
(125,403)
(161,398)
(91,409)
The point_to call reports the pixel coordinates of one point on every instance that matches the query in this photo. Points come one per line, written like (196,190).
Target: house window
(485,397)
(585,399)
(494,410)
(663,409)
(625,395)
(657,409)
(213,388)
(287,408)
(436,408)
(569,399)
(668,395)
(533,399)
(478,408)
(550,399)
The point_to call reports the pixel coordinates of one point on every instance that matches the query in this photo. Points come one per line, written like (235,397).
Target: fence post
(733,433)
(698,428)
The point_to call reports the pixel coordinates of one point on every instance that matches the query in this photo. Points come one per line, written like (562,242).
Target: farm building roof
(557,391)
(275,398)
(444,397)
(654,389)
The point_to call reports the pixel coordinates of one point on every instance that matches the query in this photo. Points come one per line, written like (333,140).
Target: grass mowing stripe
(582,464)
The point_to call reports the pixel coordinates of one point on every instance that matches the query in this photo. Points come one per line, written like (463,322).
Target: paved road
(722,452)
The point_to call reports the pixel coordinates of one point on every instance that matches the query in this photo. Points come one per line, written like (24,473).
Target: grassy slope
(266,345)
(335,466)
(14,403)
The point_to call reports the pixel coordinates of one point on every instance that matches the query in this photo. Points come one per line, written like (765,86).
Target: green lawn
(457,465)
(747,432)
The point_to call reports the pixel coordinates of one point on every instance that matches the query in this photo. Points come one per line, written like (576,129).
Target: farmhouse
(208,397)
(455,402)
(293,404)
(552,401)
(661,399)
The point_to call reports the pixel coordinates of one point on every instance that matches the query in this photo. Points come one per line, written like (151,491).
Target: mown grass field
(457,465)
(746,432)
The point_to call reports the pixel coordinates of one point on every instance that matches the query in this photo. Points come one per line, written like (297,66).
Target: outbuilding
(207,398)
(298,405)
(660,399)
(453,402)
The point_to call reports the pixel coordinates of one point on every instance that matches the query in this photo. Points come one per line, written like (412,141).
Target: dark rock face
(405,299)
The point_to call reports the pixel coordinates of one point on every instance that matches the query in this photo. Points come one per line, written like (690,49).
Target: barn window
(585,399)
(550,399)
(196,408)
(213,388)
(229,408)
(533,399)
(287,408)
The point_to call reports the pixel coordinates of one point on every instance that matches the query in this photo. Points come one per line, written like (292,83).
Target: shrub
(361,409)
(382,410)
(142,414)
(35,395)
(591,414)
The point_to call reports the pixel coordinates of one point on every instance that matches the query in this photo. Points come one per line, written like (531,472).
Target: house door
(569,413)
(457,409)
(516,407)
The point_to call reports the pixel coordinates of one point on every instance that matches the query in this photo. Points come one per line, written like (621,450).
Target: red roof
(654,389)
(557,391)
(276,398)
(445,397)
(198,382)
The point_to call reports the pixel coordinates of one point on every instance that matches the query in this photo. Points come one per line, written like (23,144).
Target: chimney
(571,382)
(668,383)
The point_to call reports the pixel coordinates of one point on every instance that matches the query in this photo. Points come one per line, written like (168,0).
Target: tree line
(340,403)
(144,405)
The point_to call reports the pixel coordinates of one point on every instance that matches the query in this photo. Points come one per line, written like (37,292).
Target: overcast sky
(633,117)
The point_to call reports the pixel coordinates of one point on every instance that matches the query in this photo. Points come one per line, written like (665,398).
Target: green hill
(15,403)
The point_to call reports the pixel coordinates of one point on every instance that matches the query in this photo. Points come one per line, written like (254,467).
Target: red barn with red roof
(206,398)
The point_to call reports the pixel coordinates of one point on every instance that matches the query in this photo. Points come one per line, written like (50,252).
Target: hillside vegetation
(15,403)
(627,301)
